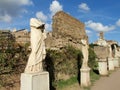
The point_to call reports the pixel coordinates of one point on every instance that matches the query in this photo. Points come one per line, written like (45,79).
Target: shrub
(92,59)
(13,59)
(64,64)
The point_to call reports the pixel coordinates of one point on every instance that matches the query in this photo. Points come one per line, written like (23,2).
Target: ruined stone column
(116,57)
(102,54)
(110,59)
(85,70)
(102,64)
(110,64)
(116,62)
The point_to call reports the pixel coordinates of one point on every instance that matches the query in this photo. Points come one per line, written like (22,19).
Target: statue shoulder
(35,22)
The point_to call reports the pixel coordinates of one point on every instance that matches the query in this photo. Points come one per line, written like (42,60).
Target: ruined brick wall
(21,36)
(66,25)
(66,31)
(101,52)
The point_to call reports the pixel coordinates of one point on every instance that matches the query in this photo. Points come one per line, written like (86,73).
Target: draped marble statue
(38,52)
(85,53)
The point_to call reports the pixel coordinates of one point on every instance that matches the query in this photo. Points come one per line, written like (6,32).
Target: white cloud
(12,8)
(84,7)
(18,2)
(6,18)
(25,2)
(48,27)
(40,15)
(88,31)
(99,26)
(55,6)
(118,23)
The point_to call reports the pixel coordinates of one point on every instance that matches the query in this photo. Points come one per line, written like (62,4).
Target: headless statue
(38,53)
(85,53)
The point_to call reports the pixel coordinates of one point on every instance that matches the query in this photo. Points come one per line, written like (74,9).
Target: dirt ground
(112,82)
(73,87)
(12,82)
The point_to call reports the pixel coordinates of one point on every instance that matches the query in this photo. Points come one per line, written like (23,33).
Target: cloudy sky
(98,15)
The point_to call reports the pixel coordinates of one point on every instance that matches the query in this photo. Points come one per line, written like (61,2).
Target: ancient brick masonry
(66,31)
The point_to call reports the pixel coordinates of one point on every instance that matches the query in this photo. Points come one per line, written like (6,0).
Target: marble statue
(85,53)
(38,52)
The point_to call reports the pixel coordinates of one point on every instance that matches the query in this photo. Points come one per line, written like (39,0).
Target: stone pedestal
(37,81)
(110,64)
(102,64)
(116,62)
(85,77)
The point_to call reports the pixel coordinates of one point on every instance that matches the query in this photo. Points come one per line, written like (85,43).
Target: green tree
(92,58)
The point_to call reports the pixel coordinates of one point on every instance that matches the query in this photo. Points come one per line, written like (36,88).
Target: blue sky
(98,15)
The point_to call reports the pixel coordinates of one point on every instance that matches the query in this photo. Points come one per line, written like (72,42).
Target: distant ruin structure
(106,52)
(66,31)
(101,41)
(5,34)
(21,36)
(101,35)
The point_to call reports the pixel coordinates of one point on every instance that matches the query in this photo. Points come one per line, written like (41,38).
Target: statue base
(85,77)
(116,62)
(110,64)
(36,81)
(102,64)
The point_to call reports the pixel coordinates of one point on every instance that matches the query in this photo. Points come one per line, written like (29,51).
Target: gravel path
(112,82)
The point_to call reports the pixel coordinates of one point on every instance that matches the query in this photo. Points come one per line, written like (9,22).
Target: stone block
(102,65)
(116,62)
(110,64)
(37,81)
(85,77)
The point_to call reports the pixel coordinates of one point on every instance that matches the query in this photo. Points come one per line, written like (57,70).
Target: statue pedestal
(110,64)
(85,77)
(116,62)
(102,64)
(37,81)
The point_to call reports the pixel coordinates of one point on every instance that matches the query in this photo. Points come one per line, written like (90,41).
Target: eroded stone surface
(101,52)
(66,31)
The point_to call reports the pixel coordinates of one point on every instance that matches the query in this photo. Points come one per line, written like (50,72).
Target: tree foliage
(64,64)
(92,57)
(11,58)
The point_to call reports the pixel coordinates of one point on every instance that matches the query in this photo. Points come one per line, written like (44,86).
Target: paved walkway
(112,82)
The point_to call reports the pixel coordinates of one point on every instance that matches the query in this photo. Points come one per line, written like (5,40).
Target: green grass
(87,88)
(63,84)
(94,77)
